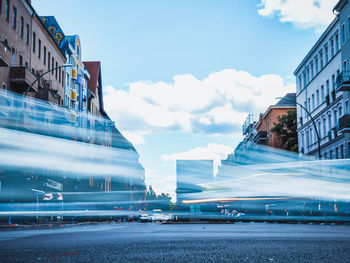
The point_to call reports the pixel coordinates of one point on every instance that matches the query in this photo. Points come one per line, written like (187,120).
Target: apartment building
(27,50)
(322,101)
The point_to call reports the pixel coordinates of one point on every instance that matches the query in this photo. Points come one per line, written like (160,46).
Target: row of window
(325,54)
(37,44)
(329,128)
(324,94)
(339,153)
(22,25)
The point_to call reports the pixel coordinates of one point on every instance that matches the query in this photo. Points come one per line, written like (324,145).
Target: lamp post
(313,122)
(31,85)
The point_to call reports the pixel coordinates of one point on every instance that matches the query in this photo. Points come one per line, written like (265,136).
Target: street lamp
(31,85)
(313,122)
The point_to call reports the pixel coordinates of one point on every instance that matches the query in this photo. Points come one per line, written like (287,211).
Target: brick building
(266,121)
(26,51)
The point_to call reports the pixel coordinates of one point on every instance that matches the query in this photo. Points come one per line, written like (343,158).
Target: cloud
(213,151)
(135,137)
(217,104)
(302,13)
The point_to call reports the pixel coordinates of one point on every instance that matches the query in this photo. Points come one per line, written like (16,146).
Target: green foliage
(286,130)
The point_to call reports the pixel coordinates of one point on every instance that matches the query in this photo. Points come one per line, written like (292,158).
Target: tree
(286,130)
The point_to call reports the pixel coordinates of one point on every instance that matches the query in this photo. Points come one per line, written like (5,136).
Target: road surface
(153,242)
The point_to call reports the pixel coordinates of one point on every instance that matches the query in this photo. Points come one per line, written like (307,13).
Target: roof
(94,68)
(339,5)
(288,100)
(323,36)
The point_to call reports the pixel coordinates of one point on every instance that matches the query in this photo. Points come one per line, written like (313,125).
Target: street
(153,242)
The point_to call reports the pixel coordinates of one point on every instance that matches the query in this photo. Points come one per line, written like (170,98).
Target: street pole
(31,85)
(313,122)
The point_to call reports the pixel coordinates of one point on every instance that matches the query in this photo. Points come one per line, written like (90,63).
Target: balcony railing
(343,81)
(344,123)
(260,136)
(5,54)
(21,78)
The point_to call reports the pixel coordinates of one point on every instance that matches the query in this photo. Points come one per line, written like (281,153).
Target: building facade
(317,92)
(342,9)
(76,76)
(28,50)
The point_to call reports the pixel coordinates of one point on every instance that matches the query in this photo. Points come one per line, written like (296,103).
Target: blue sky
(180,76)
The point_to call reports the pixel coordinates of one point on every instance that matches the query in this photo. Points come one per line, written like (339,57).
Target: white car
(145,218)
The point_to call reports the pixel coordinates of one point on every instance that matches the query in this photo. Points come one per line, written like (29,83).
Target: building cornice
(323,36)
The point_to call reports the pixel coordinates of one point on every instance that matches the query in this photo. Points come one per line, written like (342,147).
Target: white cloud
(217,104)
(302,13)
(213,151)
(135,137)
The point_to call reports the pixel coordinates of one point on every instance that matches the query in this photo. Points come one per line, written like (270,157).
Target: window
(336,42)
(34,40)
(329,122)
(342,33)
(336,153)
(346,110)
(313,102)
(324,127)
(48,60)
(20,60)
(7,10)
(330,154)
(44,56)
(0,6)
(344,65)
(62,77)
(321,59)
(305,106)
(311,136)
(317,98)
(304,77)
(318,130)
(322,93)
(14,18)
(312,70)
(67,79)
(308,75)
(300,83)
(27,34)
(327,86)
(335,118)
(342,151)
(326,53)
(316,64)
(349,26)
(308,102)
(53,65)
(56,70)
(307,139)
(332,48)
(39,48)
(21,25)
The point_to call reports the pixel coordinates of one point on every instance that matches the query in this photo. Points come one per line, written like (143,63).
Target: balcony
(21,78)
(344,123)
(343,81)
(5,54)
(260,136)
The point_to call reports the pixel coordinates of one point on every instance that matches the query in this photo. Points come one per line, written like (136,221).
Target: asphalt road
(150,242)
